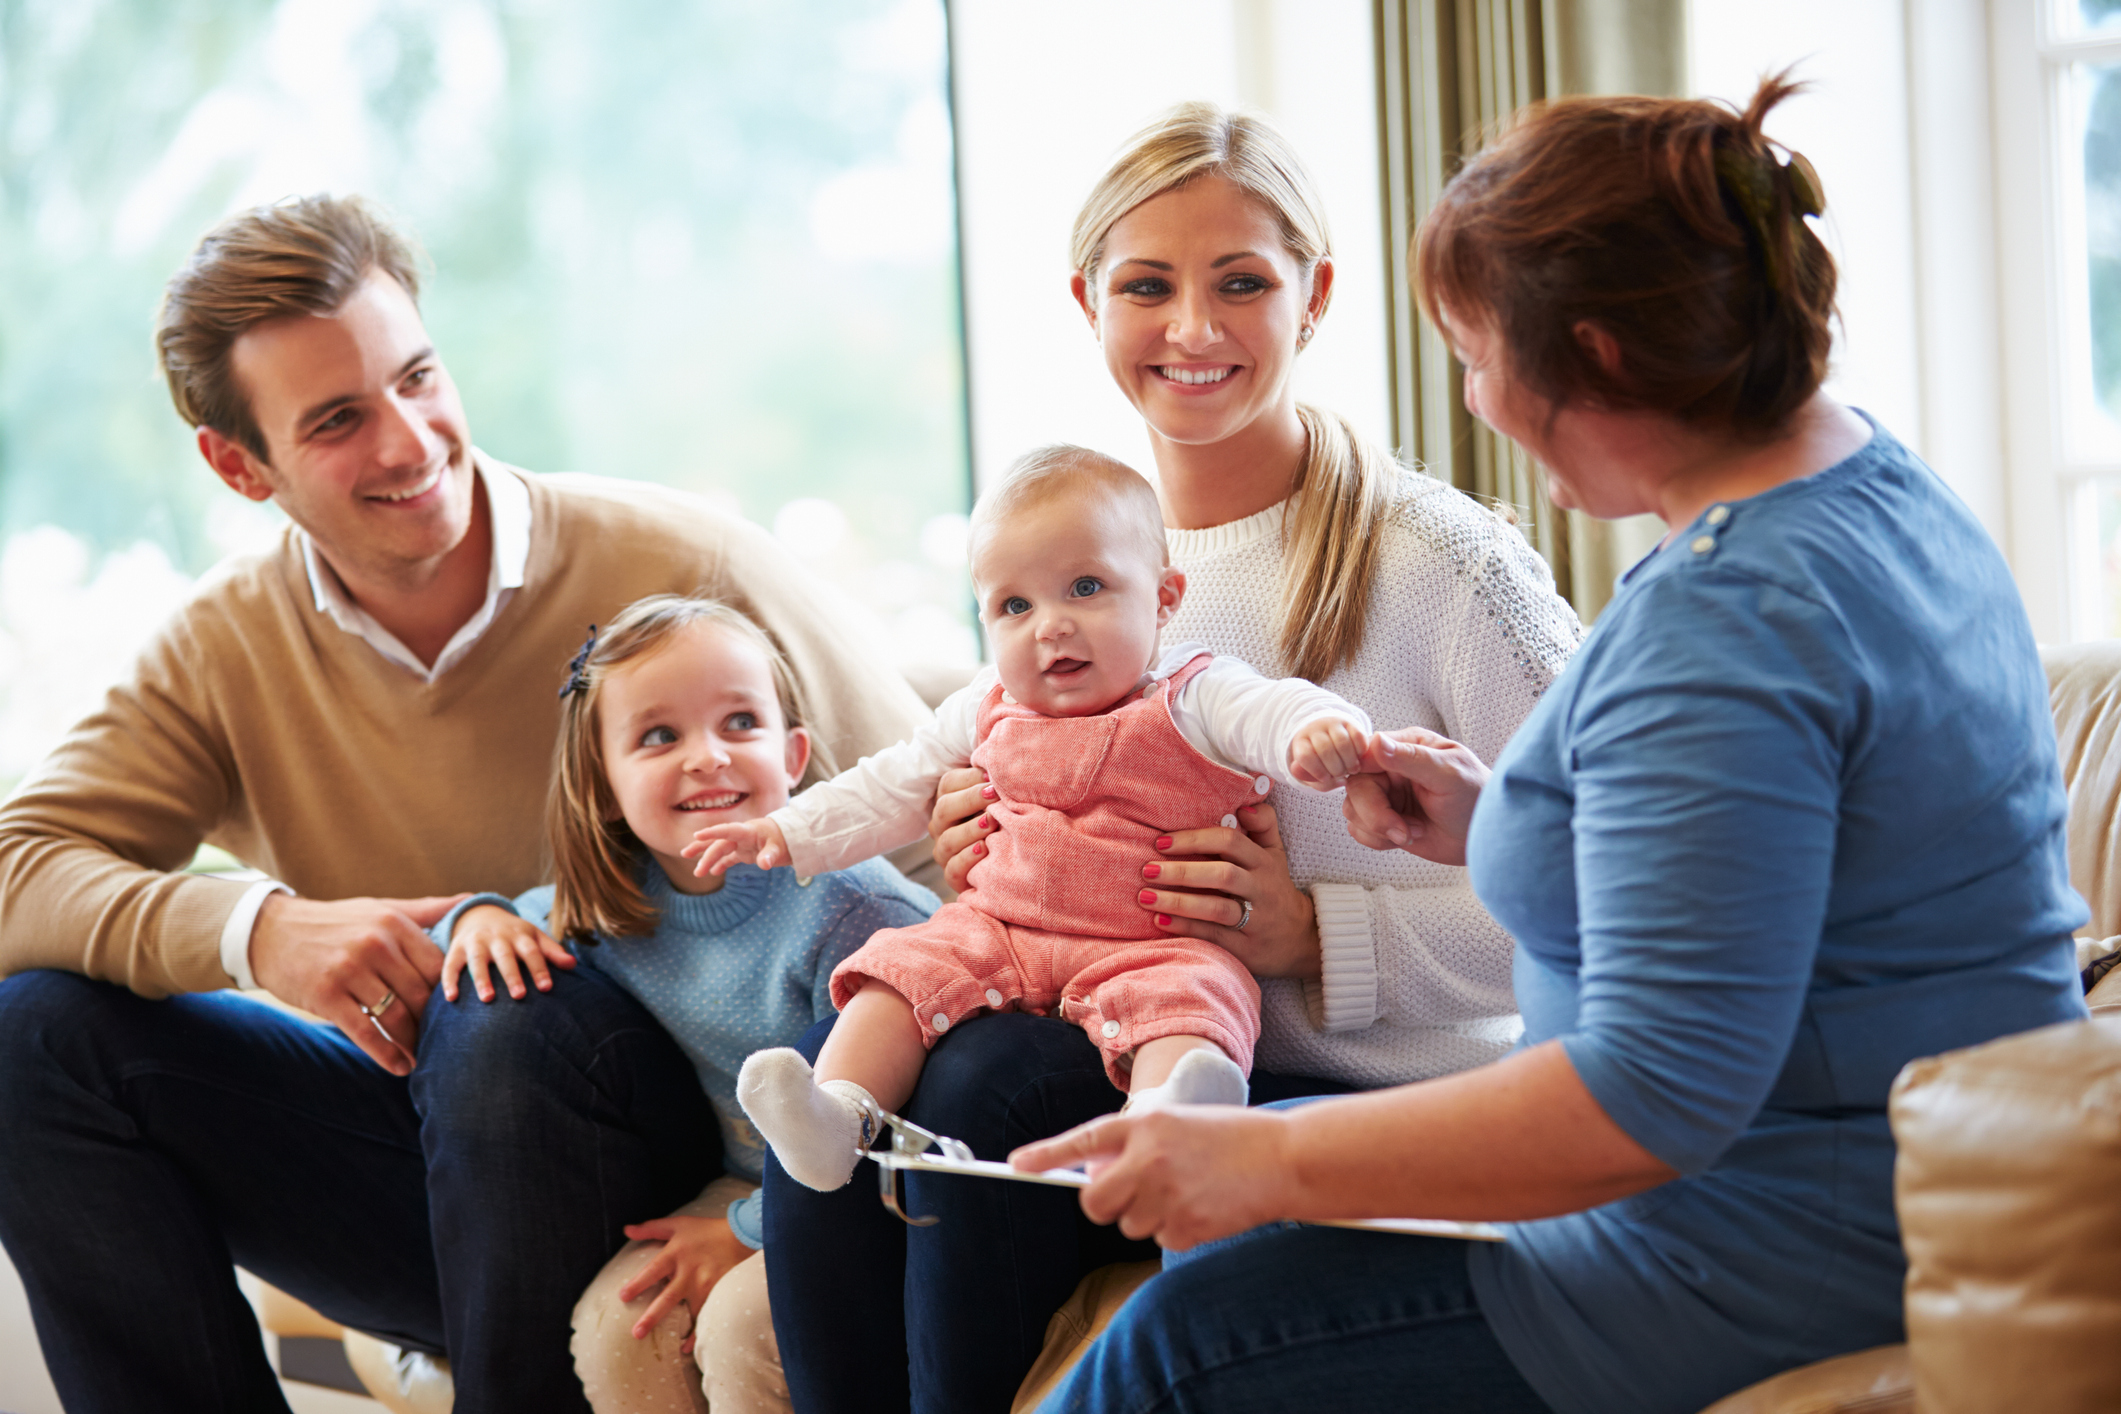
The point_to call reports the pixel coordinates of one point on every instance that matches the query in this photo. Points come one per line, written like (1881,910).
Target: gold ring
(376,1011)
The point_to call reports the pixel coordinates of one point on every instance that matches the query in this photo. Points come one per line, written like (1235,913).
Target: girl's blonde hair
(1330,541)
(594,852)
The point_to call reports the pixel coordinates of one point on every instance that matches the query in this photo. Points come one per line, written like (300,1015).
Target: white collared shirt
(508,515)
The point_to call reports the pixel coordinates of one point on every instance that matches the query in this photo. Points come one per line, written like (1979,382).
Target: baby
(1096,743)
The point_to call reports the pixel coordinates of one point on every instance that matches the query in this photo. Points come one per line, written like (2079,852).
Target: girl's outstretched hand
(1416,792)
(1326,752)
(1183,1176)
(717,847)
(488,936)
(697,1253)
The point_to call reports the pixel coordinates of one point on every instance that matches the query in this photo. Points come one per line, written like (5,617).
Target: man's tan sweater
(255,723)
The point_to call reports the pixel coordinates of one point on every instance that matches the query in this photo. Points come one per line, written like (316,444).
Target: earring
(1303,335)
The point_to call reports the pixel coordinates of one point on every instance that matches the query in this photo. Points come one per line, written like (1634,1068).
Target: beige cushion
(2084,691)
(1097,1299)
(402,1381)
(2010,1155)
(1874,1381)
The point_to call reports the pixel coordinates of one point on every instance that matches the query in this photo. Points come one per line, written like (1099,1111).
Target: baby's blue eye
(1016,604)
(1086,586)
(659,736)
(742,722)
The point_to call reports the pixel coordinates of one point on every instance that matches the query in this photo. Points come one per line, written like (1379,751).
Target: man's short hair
(304,255)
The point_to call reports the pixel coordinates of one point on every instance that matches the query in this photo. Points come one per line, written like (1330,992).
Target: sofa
(2007,1153)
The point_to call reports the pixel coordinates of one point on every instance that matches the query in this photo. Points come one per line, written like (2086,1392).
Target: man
(366,714)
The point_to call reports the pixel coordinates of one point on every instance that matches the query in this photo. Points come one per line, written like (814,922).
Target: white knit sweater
(1465,633)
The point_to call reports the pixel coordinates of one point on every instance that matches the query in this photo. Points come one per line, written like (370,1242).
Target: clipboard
(956,1158)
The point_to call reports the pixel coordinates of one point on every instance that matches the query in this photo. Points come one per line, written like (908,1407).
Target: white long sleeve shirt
(1465,633)
(1227,712)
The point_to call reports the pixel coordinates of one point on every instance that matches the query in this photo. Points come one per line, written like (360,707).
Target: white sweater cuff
(235,933)
(1345,996)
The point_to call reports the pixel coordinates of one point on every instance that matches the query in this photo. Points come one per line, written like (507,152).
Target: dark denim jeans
(1289,1317)
(875,1316)
(147,1145)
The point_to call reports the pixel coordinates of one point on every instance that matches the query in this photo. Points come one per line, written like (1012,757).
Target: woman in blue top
(1791,819)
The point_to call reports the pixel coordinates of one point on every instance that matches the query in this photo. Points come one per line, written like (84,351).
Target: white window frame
(2040,242)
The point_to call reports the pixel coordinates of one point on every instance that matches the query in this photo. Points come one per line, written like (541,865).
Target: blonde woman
(1204,269)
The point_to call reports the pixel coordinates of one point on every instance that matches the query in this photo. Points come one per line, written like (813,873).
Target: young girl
(1098,741)
(682,713)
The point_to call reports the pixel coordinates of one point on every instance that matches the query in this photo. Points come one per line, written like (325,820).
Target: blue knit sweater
(739,970)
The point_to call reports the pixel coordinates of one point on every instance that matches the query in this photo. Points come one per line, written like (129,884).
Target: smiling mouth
(1194,377)
(426,484)
(722,800)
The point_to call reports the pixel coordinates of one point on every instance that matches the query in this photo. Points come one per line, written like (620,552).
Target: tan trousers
(735,1367)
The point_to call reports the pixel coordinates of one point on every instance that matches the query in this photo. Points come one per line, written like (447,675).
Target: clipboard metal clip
(909,1139)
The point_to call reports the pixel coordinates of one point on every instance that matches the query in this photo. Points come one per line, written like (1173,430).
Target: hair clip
(578,670)
(1751,181)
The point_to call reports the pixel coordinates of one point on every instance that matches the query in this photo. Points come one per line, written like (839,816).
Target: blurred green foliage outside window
(710,244)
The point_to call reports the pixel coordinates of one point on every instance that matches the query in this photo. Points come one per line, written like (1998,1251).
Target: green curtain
(1448,71)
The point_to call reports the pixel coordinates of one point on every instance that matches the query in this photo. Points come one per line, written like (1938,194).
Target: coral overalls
(1050,918)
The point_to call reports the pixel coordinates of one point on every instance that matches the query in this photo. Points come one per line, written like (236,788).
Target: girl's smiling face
(693,735)
(1198,304)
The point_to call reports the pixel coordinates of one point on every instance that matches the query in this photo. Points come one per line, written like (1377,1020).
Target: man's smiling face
(366,446)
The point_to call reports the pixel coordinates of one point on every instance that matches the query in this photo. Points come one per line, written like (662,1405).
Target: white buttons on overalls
(1229,822)
(1262,785)
(942,1022)
(1111,1029)
(1719,514)
(1703,544)
(994,998)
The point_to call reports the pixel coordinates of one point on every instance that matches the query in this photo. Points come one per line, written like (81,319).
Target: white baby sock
(818,1131)
(1201,1077)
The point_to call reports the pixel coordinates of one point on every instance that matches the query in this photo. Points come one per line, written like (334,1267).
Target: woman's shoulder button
(1719,514)
(1703,544)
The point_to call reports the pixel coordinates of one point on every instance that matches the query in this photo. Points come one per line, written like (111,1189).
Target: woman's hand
(959,824)
(1416,793)
(1183,1176)
(1205,898)
(697,1253)
(488,936)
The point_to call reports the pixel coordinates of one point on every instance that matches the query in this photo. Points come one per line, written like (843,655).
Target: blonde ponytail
(1329,544)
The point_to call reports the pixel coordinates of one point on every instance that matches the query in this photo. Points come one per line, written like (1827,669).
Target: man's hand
(697,1253)
(336,958)
(1326,752)
(717,847)
(488,936)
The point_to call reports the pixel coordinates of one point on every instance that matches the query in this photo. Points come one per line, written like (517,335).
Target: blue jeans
(147,1145)
(1292,1317)
(874,1315)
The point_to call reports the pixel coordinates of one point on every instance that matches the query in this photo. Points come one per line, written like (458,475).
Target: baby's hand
(697,1253)
(1327,752)
(487,936)
(717,847)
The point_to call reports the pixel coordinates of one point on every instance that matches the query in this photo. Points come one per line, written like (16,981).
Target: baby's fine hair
(1062,469)
(594,852)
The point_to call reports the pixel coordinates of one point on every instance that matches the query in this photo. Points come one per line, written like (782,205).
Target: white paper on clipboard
(1076,1178)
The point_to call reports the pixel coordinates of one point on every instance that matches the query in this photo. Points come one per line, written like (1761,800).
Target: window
(2058,85)
(711,245)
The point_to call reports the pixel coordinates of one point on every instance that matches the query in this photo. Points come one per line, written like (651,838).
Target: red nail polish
(1163,841)
(1163,920)
(986,822)
(1150,871)
(1148,896)
(990,792)
(978,850)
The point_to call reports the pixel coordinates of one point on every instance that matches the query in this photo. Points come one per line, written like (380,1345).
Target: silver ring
(376,1011)
(1245,915)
